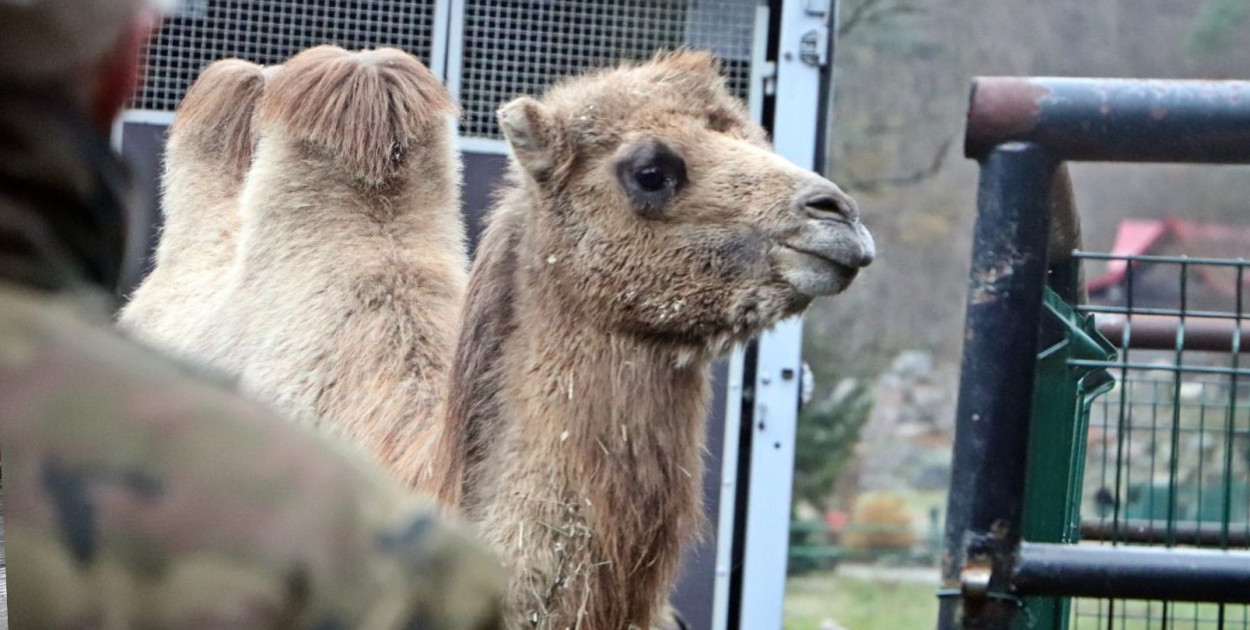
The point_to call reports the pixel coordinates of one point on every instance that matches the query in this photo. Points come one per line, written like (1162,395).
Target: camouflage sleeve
(136,496)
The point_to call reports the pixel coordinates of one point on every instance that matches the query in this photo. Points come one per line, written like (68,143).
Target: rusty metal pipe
(1148,532)
(1120,120)
(1159,332)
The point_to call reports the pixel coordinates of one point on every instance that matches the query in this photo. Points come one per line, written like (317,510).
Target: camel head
(659,208)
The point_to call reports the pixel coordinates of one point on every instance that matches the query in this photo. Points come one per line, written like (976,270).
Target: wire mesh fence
(512,48)
(270,32)
(1167,458)
(505,48)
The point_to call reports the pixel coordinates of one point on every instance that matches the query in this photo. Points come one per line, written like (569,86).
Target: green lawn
(858,604)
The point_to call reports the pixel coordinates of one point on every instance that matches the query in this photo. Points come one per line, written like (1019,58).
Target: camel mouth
(814,274)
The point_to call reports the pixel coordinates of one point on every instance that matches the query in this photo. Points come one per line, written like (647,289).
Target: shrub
(880,522)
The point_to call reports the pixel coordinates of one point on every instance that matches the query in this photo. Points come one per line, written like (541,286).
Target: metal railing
(1126,477)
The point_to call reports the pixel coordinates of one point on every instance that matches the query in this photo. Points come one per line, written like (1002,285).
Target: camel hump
(366,110)
(215,117)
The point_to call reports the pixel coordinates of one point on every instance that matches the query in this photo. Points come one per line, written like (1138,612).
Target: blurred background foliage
(902,73)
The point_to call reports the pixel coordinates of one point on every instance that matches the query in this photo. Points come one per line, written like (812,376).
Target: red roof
(1136,237)
(1133,237)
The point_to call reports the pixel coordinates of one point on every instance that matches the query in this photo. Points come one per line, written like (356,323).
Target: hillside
(902,73)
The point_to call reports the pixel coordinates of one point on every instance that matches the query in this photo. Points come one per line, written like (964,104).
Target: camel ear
(531,130)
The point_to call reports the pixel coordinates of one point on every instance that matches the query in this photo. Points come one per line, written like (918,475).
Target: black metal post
(1188,575)
(996,386)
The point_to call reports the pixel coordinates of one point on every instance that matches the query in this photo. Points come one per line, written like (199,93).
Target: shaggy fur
(341,304)
(581,377)
(207,157)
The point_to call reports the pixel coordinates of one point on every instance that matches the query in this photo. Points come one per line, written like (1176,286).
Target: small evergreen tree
(827,433)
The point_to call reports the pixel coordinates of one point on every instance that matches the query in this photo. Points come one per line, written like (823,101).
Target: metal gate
(1102,455)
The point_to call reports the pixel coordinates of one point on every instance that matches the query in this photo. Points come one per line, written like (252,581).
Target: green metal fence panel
(1061,408)
(1168,455)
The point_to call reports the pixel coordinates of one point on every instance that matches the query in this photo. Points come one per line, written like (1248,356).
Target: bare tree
(868,12)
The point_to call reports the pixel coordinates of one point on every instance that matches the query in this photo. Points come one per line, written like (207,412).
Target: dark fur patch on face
(651,174)
(738,255)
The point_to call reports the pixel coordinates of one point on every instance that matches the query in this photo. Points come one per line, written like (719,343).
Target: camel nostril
(829,207)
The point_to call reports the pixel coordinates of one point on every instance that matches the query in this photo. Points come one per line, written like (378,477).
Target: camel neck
(614,429)
(610,378)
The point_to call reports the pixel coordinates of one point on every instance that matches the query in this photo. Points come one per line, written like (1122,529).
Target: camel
(337,283)
(341,304)
(207,156)
(645,227)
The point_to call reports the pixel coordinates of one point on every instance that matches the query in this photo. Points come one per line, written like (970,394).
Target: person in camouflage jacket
(137,493)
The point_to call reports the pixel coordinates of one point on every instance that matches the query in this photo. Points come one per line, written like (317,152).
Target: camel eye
(651,174)
(651,178)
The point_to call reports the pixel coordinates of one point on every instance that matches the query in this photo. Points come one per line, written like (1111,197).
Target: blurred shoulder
(122,461)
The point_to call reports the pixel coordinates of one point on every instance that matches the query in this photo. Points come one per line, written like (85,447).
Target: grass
(858,604)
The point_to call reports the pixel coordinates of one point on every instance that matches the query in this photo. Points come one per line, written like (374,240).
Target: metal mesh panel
(1167,460)
(1133,615)
(271,31)
(512,48)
